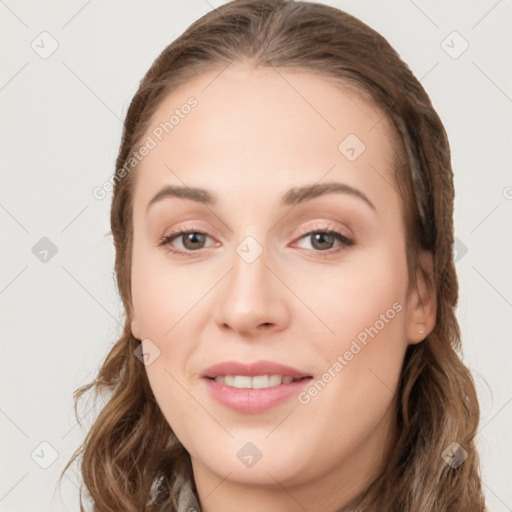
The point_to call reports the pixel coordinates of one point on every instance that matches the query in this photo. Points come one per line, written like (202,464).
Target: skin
(253,136)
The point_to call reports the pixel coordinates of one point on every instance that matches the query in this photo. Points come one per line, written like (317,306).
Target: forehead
(265,128)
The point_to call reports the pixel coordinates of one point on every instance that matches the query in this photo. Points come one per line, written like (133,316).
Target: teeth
(257,382)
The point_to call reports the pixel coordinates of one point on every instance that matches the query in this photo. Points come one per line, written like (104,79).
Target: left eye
(322,240)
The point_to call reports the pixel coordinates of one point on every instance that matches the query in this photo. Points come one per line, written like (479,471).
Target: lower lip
(254,400)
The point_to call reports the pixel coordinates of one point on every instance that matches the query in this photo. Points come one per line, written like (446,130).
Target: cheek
(363,354)
(160,294)
(351,298)
(162,299)
(362,370)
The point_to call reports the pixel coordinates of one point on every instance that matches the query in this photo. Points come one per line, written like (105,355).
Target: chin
(261,463)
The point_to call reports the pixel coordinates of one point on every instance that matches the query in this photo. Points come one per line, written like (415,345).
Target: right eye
(192,241)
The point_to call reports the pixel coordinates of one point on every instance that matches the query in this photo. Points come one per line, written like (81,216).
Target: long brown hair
(130,459)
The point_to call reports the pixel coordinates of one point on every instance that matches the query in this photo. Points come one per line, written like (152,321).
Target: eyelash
(345,241)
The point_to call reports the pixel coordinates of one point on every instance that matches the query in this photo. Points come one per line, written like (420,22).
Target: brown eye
(323,240)
(191,241)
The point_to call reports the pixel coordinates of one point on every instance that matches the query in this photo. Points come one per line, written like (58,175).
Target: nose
(252,298)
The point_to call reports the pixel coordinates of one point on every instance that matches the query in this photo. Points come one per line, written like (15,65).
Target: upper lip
(256,368)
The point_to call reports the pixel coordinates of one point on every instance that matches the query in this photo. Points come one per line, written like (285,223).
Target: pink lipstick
(253,388)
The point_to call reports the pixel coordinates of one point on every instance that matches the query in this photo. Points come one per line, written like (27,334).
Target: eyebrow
(292,197)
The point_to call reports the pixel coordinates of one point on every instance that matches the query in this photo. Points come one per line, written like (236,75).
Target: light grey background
(60,130)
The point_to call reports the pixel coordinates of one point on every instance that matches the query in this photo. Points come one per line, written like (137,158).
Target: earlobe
(422,304)
(135,329)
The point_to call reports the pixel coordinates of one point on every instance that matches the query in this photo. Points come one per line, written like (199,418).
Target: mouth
(254,387)
(257,375)
(256,381)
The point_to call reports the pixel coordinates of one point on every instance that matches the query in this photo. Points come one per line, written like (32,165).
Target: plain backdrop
(68,72)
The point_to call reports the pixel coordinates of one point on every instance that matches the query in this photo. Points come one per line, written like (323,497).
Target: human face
(254,287)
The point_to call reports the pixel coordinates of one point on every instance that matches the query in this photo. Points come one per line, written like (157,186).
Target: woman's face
(280,154)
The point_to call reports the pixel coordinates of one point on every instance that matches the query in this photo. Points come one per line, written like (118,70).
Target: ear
(422,303)
(135,329)
(134,325)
